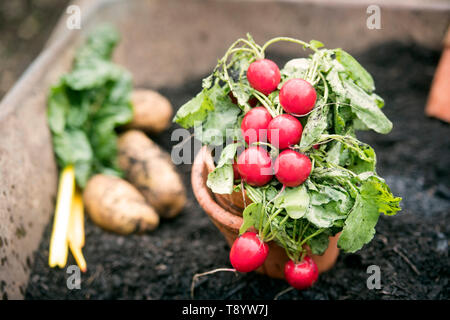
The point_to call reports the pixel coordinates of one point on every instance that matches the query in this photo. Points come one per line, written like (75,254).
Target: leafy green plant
(84,108)
(343,192)
(87,104)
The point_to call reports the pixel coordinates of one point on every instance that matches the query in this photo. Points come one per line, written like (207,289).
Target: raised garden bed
(411,248)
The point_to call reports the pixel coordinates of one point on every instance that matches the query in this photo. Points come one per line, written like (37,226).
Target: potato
(152,111)
(114,204)
(150,169)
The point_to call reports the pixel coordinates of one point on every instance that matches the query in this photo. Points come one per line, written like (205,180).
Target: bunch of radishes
(307,175)
(291,168)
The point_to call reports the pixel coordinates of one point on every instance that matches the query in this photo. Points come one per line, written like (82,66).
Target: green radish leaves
(374,198)
(317,123)
(251,215)
(343,192)
(356,72)
(366,108)
(195,110)
(295,201)
(220,180)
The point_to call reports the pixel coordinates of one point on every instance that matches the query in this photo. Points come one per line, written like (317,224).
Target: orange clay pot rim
(203,195)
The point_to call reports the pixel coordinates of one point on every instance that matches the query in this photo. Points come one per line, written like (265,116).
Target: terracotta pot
(232,202)
(225,211)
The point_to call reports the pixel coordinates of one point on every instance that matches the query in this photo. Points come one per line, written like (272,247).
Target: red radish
(255,123)
(297,96)
(292,168)
(248,252)
(255,166)
(316,146)
(284,130)
(301,275)
(263,75)
(236,174)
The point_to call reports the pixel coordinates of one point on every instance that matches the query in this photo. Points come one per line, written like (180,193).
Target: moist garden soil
(411,248)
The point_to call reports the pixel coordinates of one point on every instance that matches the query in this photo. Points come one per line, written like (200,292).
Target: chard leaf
(221,180)
(93,74)
(72,146)
(83,170)
(86,106)
(100,44)
(195,110)
(356,72)
(58,107)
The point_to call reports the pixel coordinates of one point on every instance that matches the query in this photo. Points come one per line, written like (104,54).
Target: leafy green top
(343,193)
(87,104)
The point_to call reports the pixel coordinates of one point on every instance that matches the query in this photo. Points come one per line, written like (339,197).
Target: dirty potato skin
(150,170)
(152,112)
(115,205)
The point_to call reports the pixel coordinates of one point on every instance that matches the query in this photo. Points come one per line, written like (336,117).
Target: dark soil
(411,248)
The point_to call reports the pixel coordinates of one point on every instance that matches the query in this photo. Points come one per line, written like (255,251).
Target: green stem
(266,227)
(303,230)
(234,50)
(261,219)
(287,39)
(265,102)
(273,235)
(230,50)
(312,236)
